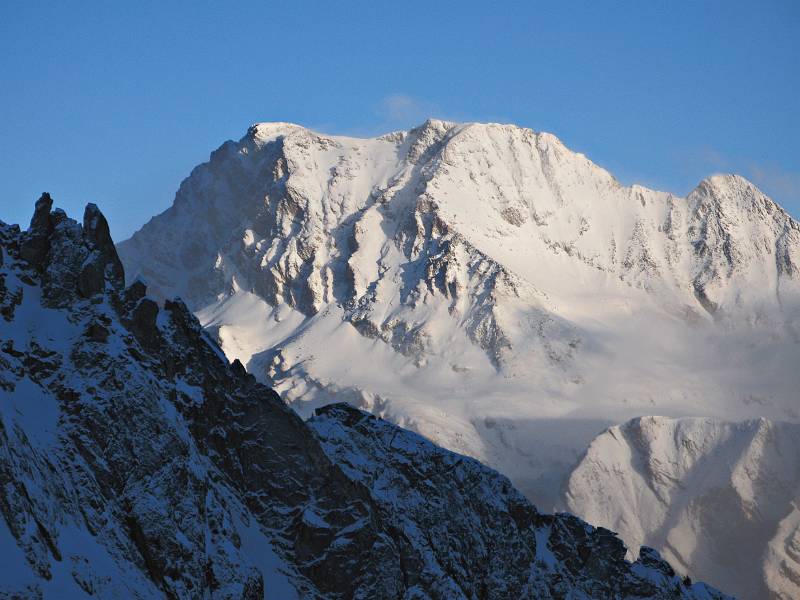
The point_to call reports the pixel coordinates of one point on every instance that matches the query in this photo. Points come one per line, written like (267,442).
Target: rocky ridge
(137,462)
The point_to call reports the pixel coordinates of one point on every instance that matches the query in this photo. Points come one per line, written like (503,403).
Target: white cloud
(398,111)
(405,111)
(778,182)
(712,157)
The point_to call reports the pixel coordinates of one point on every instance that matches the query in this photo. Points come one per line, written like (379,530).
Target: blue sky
(115,103)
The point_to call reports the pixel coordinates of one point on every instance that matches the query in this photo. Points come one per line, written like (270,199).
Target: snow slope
(718,499)
(136,462)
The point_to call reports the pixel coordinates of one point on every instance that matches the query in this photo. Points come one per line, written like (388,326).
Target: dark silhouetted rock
(35,244)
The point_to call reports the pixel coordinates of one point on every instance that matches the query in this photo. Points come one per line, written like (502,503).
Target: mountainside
(715,498)
(479,283)
(138,463)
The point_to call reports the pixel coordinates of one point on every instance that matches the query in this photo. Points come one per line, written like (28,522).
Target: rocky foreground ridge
(136,462)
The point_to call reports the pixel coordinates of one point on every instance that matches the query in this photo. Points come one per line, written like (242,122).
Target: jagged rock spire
(104,263)
(70,257)
(36,243)
(41,214)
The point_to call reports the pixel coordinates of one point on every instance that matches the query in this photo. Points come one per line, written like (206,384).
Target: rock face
(716,498)
(136,462)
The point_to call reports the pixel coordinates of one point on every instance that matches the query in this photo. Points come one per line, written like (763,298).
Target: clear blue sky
(115,103)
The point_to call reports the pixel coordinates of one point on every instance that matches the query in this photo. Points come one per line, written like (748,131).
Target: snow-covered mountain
(484,286)
(476,274)
(136,462)
(715,498)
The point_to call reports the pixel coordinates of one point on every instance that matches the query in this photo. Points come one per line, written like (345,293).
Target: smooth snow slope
(715,498)
(483,285)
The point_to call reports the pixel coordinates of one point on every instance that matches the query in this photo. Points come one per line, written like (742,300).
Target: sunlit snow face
(486,286)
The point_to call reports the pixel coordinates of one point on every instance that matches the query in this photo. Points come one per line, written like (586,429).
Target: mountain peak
(435,124)
(723,182)
(736,193)
(268,131)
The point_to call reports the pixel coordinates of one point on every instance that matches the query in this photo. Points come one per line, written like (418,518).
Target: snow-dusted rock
(718,499)
(136,462)
(429,495)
